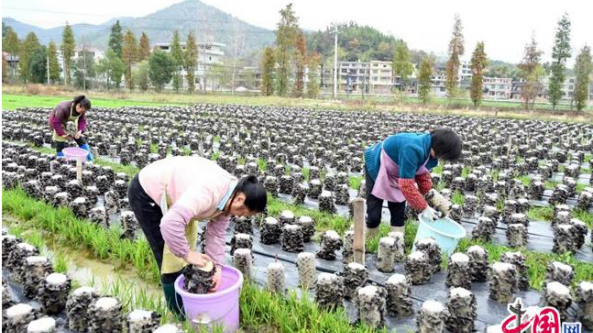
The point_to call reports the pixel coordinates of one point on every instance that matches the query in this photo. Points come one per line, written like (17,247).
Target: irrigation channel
(523,191)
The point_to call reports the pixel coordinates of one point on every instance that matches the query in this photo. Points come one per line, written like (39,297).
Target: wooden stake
(359,224)
(79,170)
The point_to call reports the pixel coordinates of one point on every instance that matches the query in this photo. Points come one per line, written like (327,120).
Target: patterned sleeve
(424,183)
(411,193)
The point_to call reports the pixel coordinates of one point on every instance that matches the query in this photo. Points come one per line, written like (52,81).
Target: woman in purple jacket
(70,111)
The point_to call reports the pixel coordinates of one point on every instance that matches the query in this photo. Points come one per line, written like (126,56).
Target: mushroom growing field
(523,190)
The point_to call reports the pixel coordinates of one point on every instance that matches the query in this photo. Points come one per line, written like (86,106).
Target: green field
(11,102)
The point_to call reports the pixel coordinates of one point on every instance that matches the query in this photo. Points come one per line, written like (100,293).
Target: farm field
(523,192)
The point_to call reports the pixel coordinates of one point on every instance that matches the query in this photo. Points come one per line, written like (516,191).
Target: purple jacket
(59,116)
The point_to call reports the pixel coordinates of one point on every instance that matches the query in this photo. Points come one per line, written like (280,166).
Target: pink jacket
(198,189)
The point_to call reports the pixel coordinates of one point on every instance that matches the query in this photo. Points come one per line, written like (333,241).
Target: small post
(359,223)
(79,170)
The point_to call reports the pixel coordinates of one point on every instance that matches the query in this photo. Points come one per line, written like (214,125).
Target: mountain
(208,23)
(355,42)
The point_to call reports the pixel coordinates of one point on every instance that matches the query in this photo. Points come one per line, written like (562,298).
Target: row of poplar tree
(531,69)
(285,66)
(127,60)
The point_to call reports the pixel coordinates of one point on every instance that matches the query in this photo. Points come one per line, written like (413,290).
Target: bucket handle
(211,321)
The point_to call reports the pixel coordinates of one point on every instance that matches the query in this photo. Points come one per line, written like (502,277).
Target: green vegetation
(11,102)
(541,213)
(103,243)
(584,216)
(260,308)
(457,198)
(537,262)
(526,180)
(355,182)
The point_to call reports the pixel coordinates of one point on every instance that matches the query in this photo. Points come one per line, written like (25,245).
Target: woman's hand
(78,135)
(198,259)
(216,279)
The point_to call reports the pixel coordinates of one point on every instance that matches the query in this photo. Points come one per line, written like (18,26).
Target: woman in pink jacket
(169,196)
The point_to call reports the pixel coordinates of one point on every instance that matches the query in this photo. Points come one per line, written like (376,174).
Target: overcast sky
(504,25)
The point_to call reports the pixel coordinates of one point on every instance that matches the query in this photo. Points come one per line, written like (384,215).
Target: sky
(505,26)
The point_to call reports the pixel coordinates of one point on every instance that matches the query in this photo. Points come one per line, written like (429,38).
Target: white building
(381,77)
(209,55)
(497,87)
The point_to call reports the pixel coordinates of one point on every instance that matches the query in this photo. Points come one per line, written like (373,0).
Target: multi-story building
(380,77)
(353,76)
(439,78)
(497,87)
(209,56)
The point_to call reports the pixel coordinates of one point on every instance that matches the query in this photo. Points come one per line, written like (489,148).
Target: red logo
(547,320)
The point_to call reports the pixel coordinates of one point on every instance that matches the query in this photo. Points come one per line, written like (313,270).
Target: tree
(177,56)
(582,70)
(286,34)
(402,66)
(313,84)
(10,42)
(424,76)
(68,49)
(478,63)
(116,39)
(144,49)
(531,72)
(301,64)
(560,53)
(129,56)
(112,68)
(141,75)
(267,77)
(54,65)
(456,50)
(38,65)
(4,66)
(30,45)
(161,67)
(191,61)
(85,70)
(11,45)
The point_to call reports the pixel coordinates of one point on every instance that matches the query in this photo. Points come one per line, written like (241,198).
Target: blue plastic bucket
(445,232)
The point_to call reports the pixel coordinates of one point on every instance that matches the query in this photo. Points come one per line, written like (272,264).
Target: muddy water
(86,270)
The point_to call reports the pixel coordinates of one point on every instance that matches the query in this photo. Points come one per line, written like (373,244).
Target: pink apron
(386,186)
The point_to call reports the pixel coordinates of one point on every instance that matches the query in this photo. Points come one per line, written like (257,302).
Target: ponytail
(83,102)
(256,198)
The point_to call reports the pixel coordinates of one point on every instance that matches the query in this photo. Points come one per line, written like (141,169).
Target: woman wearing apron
(171,195)
(397,169)
(70,111)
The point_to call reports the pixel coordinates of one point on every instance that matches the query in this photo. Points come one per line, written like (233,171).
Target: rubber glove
(429,214)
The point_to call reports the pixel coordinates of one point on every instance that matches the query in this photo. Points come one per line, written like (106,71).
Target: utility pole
(336,63)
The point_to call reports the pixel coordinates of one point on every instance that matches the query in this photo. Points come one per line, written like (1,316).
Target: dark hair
(446,144)
(82,101)
(256,198)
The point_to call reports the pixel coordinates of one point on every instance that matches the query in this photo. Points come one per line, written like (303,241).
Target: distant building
(497,87)
(209,55)
(353,76)
(13,66)
(380,77)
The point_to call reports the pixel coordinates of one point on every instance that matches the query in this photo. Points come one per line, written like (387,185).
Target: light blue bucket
(445,232)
